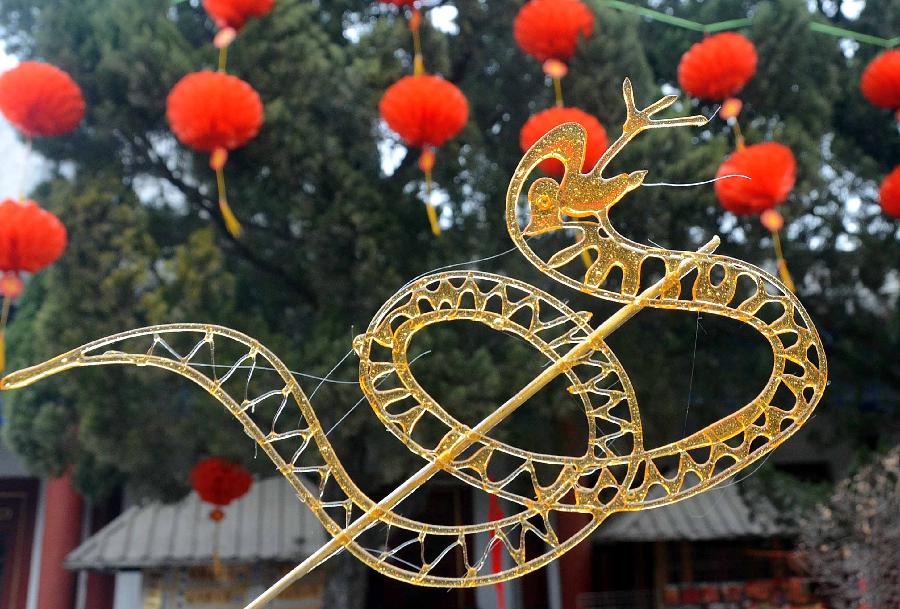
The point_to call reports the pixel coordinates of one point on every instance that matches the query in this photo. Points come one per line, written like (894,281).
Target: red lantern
(220,482)
(40,99)
(538,125)
(772,171)
(889,194)
(424,110)
(213,110)
(717,67)
(549,29)
(30,237)
(880,82)
(235,13)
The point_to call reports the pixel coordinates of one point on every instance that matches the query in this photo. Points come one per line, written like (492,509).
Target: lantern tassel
(426,164)
(429,208)
(4,317)
(783,271)
(217,162)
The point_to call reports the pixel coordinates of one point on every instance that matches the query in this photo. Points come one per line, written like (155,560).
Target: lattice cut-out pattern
(609,476)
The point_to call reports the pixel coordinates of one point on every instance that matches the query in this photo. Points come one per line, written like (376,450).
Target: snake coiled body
(614,473)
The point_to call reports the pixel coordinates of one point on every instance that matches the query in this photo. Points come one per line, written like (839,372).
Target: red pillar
(62,533)
(575,567)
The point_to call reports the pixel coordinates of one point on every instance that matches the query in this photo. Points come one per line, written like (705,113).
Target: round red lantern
(219,482)
(424,110)
(717,67)
(889,194)
(538,125)
(30,237)
(235,13)
(772,171)
(40,99)
(213,110)
(550,29)
(880,82)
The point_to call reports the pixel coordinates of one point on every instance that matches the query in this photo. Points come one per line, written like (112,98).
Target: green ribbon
(734,24)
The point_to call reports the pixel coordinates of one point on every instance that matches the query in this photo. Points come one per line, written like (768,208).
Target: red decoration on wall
(889,194)
(880,82)
(40,99)
(717,67)
(219,481)
(538,125)
(235,13)
(772,171)
(30,237)
(550,29)
(424,110)
(210,110)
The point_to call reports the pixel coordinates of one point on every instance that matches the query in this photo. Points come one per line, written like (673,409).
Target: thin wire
(687,409)
(300,374)
(330,372)
(716,179)
(362,399)
(458,264)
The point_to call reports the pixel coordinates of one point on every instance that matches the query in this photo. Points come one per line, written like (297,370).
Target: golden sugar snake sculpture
(614,473)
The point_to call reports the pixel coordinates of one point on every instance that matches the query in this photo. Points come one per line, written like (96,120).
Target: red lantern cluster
(235,13)
(219,482)
(424,110)
(717,67)
(880,82)
(550,29)
(772,171)
(211,110)
(889,194)
(40,99)
(538,125)
(31,238)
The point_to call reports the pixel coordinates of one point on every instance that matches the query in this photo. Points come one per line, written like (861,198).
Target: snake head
(544,205)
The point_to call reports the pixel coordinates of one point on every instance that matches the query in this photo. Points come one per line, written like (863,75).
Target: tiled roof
(268,524)
(719,513)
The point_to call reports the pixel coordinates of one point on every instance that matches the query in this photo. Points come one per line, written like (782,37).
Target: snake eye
(543,202)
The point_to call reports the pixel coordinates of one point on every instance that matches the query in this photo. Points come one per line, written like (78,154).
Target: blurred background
(96,507)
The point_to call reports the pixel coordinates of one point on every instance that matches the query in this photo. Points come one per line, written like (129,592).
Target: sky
(14,181)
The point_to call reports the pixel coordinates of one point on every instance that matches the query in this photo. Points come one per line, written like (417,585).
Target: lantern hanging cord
(557,91)
(26,160)
(415,22)
(223,58)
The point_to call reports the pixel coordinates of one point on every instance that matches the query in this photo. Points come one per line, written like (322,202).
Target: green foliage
(330,236)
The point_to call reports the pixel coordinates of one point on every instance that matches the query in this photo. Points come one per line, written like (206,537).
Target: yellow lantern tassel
(429,208)
(774,221)
(4,317)
(217,162)
(426,164)
(783,271)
